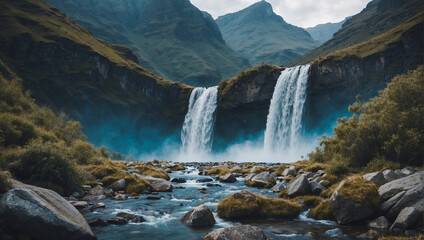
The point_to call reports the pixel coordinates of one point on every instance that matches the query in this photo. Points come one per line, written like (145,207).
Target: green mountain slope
(173,39)
(324,32)
(378,17)
(68,69)
(260,35)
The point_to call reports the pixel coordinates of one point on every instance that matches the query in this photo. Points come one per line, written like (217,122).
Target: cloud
(302,13)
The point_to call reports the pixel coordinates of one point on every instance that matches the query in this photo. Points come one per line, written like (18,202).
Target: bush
(15,130)
(41,163)
(83,152)
(245,204)
(380,164)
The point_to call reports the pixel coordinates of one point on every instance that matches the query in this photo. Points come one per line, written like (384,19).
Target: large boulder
(387,205)
(280,186)
(354,199)
(159,184)
(241,232)
(379,223)
(201,216)
(299,186)
(131,217)
(412,198)
(394,187)
(228,178)
(290,171)
(375,177)
(408,217)
(316,188)
(263,179)
(390,175)
(42,214)
(248,178)
(119,185)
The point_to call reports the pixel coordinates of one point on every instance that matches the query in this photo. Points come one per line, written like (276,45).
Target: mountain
(260,35)
(173,39)
(120,103)
(324,32)
(378,17)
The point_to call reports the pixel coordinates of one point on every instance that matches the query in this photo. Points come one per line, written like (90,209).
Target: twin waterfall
(285,112)
(284,121)
(197,132)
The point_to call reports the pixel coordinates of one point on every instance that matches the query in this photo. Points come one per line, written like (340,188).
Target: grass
(178,167)
(245,204)
(4,183)
(220,171)
(309,200)
(322,211)
(361,191)
(105,169)
(420,237)
(314,167)
(151,171)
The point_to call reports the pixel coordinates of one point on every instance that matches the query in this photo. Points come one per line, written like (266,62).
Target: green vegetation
(388,129)
(309,200)
(322,211)
(358,190)
(4,183)
(245,204)
(150,171)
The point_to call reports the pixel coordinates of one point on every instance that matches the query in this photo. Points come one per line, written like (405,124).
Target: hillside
(173,39)
(378,17)
(324,32)
(260,35)
(68,69)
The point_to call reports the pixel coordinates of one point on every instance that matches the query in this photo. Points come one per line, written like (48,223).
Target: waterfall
(197,131)
(284,120)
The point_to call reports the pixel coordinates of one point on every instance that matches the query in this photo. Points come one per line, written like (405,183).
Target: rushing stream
(163,216)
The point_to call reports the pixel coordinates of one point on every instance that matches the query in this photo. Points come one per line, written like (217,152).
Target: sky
(302,13)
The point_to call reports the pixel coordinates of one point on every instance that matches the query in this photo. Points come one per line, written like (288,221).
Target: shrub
(244,204)
(42,163)
(82,152)
(15,130)
(380,164)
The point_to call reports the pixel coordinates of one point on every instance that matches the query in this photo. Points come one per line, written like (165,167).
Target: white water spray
(197,131)
(284,120)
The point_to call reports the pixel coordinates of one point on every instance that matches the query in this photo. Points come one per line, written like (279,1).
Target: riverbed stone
(79,204)
(200,216)
(97,222)
(299,186)
(379,223)
(280,186)
(159,184)
(117,221)
(316,188)
(241,232)
(97,205)
(178,180)
(228,178)
(392,188)
(375,177)
(408,217)
(98,190)
(55,218)
(204,180)
(131,217)
(263,179)
(119,185)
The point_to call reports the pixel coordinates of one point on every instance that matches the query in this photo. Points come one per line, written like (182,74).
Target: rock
(346,211)
(375,177)
(316,188)
(408,217)
(77,195)
(372,234)
(392,188)
(409,199)
(98,190)
(280,186)
(290,171)
(411,233)
(321,172)
(213,185)
(201,216)
(310,175)
(299,186)
(117,221)
(280,230)
(120,197)
(263,179)
(42,214)
(387,205)
(159,184)
(131,217)
(79,204)
(379,223)
(390,175)
(119,185)
(153,198)
(87,176)
(97,205)
(248,178)
(204,180)
(86,188)
(241,232)
(228,178)
(408,170)
(400,174)
(97,222)
(178,180)
(318,179)
(94,198)
(324,183)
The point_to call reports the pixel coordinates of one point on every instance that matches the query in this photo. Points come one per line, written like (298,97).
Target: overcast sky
(302,13)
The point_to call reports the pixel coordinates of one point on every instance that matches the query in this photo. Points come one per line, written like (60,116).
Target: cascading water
(284,120)
(197,131)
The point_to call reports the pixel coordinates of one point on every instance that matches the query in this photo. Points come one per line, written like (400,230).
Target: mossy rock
(322,211)
(244,204)
(144,169)
(309,200)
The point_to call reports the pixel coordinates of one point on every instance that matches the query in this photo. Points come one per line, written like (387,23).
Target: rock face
(201,216)
(407,218)
(346,211)
(42,214)
(392,188)
(299,186)
(228,178)
(242,232)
